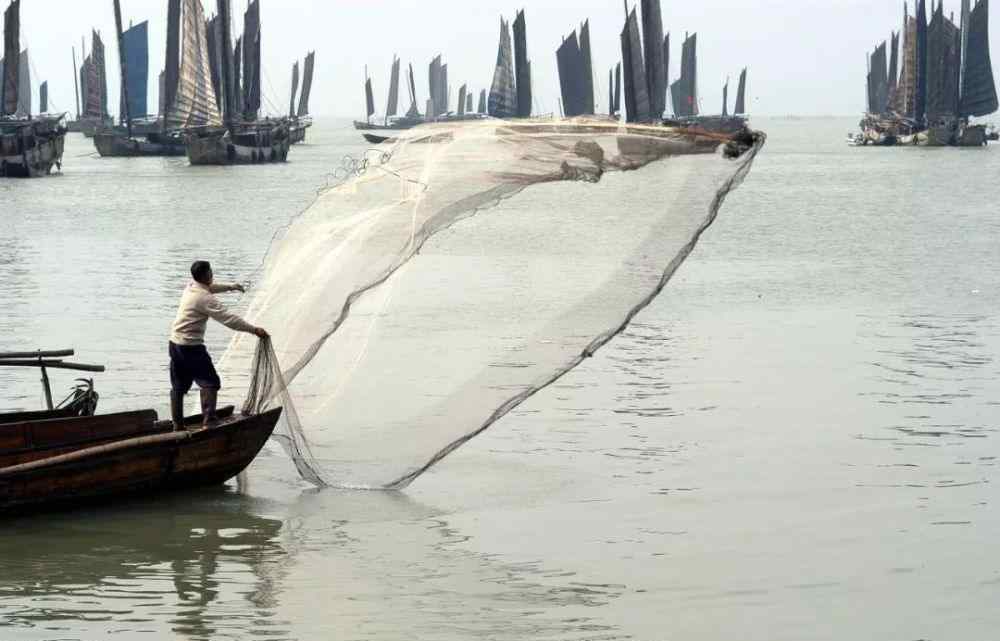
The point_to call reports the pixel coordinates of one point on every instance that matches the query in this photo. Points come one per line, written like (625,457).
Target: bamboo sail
(522,67)
(369,98)
(637,107)
(10,69)
(295,89)
(392,106)
(307,83)
(979,92)
(684,91)
(215,57)
(741,92)
(194,102)
(414,111)
(135,45)
(251,62)
(575,67)
(503,98)
(656,75)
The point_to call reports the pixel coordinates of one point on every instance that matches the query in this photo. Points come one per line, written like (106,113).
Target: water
(797,440)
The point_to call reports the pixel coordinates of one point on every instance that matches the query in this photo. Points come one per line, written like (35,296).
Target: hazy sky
(805,56)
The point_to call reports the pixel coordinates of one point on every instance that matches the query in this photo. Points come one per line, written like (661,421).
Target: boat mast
(122,65)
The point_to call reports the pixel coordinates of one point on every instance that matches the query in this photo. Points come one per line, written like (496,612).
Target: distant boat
(928,95)
(299,117)
(29,145)
(236,136)
(126,140)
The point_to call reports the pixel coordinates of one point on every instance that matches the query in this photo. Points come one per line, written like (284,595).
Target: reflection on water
(201,566)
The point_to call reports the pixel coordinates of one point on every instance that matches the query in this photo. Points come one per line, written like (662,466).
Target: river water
(797,440)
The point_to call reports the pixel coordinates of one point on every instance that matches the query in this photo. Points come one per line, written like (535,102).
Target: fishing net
(461,270)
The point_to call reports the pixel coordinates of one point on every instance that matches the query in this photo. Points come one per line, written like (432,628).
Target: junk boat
(63,457)
(299,118)
(30,146)
(928,95)
(236,136)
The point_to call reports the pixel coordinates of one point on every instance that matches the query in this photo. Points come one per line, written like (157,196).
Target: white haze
(805,57)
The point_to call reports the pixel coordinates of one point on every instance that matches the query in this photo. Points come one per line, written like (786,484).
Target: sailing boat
(236,136)
(946,79)
(125,141)
(299,118)
(29,145)
(413,117)
(94,89)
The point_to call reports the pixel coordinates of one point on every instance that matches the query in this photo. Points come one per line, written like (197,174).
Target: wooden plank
(62,353)
(50,364)
(41,415)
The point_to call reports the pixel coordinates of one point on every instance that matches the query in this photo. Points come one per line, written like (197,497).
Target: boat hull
(113,145)
(145,464)
(220,148)
(31,149)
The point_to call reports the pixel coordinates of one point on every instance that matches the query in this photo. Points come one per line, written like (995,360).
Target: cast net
(462,269)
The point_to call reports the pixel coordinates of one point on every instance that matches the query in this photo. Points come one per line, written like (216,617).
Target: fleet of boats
(650,97)
(927,83)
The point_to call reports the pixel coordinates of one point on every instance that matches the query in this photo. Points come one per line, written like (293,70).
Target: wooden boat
(111,144)
(377,140)
(247,145)
(63,462)
(299,119)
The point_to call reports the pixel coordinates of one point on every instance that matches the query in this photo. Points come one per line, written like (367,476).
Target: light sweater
(198,304)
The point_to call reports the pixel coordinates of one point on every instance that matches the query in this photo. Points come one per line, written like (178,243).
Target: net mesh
(461,271)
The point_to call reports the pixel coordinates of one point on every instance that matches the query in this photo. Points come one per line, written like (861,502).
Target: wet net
(463,269)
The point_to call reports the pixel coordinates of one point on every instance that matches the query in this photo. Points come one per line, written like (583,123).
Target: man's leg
(180,384)
(210,383)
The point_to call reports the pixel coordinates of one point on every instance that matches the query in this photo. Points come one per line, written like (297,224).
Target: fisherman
(189,360)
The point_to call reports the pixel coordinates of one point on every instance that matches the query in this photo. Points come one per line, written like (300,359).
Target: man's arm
(222,288)
(218,312)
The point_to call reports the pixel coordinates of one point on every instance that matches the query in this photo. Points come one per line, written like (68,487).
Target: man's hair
(200,269)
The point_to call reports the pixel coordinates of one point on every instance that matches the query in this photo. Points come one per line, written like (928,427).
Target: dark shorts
(189,365)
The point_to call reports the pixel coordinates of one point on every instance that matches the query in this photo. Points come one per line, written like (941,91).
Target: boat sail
(741,93)
(191,99)
(725,99)
(135,43)
(503,96)
(522,67)
(978,91)
(29,146)
(307,83)
(656,74)
(392,104)
(369,97)
(576,73)
(684,91)
(295,89)
(251,62)
(637,107)
(43,98)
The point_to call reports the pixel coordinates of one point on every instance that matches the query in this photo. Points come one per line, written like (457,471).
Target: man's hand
(239,288)
(260,332)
